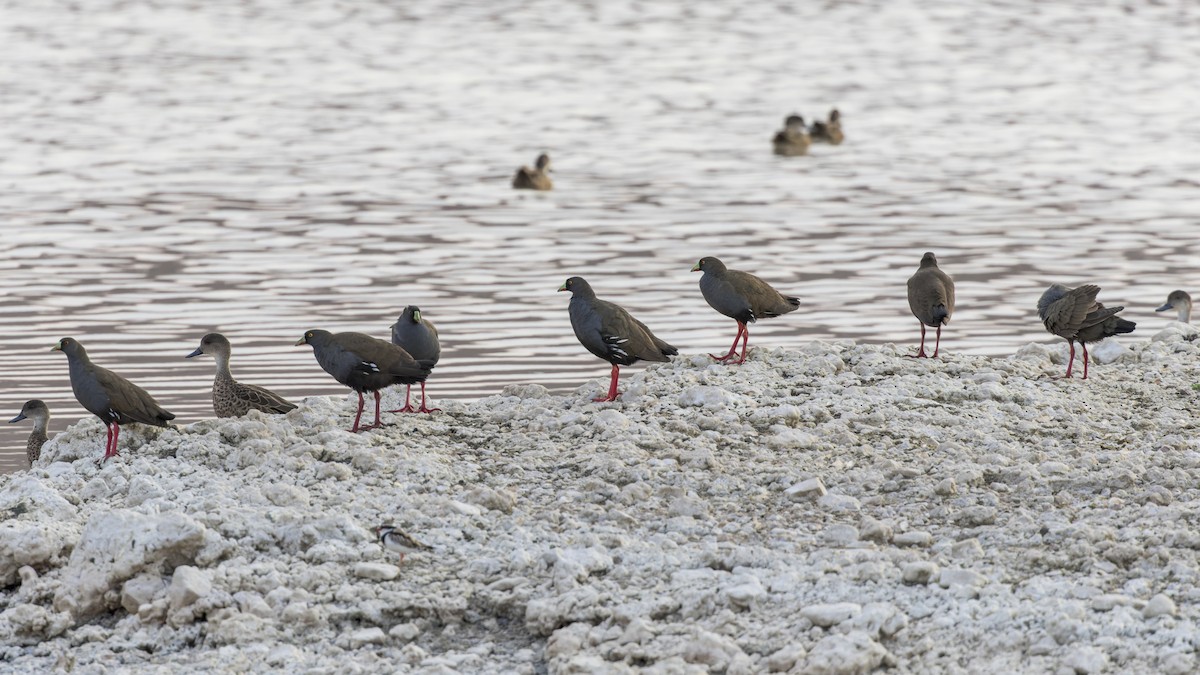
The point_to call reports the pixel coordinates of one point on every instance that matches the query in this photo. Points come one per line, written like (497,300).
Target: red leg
(745,341)
(107,442)
(407,405)
(114,432)
(423,407)
(937,345)
(921,352)
(1085,359)
(377,423)
(612,387)
(358,415)
(733,349)
(1070,359)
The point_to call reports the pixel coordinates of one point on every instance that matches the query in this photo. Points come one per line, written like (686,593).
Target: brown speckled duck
(232,398)
(793,140)
(39,413)
(828,132)
(537,178)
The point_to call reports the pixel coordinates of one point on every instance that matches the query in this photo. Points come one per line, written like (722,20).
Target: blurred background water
(262,167)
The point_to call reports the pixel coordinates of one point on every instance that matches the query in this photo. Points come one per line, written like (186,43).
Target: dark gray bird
(741,296)
(112,398)
(1181,302)
(39,413)
(232,398)
(793,140)
(611,333)
(931,299)
(828,132)
(1074,315)
(537,178)
(364,363)
(419,337)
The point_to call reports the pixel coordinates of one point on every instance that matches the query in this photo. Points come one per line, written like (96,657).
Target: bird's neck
(1185,314)
(223,366)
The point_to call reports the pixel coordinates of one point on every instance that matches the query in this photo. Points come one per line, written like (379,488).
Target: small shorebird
(394,539)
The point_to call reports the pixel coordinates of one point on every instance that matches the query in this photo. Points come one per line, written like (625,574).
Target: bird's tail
(941,317)
(1123,326)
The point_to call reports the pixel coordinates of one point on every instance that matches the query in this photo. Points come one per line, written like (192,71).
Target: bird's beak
(301,341)
(416,317)
(57,347)
(1165,307)
(696,268)
(195,353)
(18,418)
(563,287)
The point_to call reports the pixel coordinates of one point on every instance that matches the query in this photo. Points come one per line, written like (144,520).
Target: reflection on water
(263,167)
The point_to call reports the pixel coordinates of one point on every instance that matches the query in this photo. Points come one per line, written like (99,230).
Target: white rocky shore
(836,509)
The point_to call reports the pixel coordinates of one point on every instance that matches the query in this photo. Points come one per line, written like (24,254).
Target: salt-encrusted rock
(30,544)
(376,571)
(975,516)
(785,658)
(27,624)
(1109,351)
(1178,663)
(840,534)
(830,615)
(852,654)
(405,632)
(709,398)
(870,529)
(717,652)
(914,538)
(117,545)
(961,577)
(838,503)
(367,636)
(1086,660)
(919,572)
(528,391)
(947,487)
(878,620)
(811,488)
(1107,601)
(1159,605)
(141,590)
(495,500)
(746,593)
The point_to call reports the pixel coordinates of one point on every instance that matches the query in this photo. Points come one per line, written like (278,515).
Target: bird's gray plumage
(609,331)
(417,335)
(1181,302)
(39,413)
(740,295)
(1074,315)
(107,395)
(931,293)
(793,140)
(536,178)
(364,363)
(232,398)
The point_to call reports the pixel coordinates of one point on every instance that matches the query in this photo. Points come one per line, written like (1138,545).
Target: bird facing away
(112,398)
(793,140)
(741,296)
(611,333)
(1181,302)
(1074,315)
(931,299)
(828,132)
(364,364)
(419,337)
(232,398)
(39,413)
(537,178)
(394,539)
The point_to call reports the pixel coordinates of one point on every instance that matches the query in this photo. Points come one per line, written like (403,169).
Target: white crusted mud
(835,509)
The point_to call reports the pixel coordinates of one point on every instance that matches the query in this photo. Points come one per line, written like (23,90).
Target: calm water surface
(264,167)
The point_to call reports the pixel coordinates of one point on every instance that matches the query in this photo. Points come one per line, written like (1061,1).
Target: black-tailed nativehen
(112,398)
(364,364)
(742,297)
(1074,315)
(416,335)
(931,299)
(611,333)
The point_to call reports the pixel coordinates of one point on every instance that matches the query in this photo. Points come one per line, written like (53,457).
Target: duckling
(1181,302)
(37,411)
(793,139)
(537,178)
(828,132)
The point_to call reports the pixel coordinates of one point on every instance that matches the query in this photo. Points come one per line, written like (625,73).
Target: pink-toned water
(261,168)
